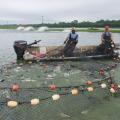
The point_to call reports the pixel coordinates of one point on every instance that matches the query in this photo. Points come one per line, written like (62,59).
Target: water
(95,106)
(7,37)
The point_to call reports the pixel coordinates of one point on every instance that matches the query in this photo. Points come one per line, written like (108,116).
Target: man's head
(73,30)
(106,28)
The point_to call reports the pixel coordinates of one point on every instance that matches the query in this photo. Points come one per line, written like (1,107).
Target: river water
(98,105)
(7,37)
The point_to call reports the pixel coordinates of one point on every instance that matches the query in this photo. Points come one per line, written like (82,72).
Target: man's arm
(77,38)
(102,40)
(111,37)
(67,39)
(112,42)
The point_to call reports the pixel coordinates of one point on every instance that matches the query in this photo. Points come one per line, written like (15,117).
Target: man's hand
(102,41)
(112,44)
(65,41)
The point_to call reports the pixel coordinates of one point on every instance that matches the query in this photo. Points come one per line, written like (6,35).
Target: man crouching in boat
(107,45)
(70,43)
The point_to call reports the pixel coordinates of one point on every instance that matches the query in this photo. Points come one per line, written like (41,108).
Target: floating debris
(21,64)
(30,62)
(27,80)
(66,74)
(57,69)
(49,76)
(64,115)
(2,80)
(84,112)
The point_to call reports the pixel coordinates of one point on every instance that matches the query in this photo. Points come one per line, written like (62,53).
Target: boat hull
(55,53)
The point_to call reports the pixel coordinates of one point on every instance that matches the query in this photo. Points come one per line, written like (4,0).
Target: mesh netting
(34,80)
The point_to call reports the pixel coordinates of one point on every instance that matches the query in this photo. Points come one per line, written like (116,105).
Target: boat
(35,52)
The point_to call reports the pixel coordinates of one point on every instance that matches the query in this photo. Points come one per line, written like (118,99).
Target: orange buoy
(74,91)
(113,86)
(101,72)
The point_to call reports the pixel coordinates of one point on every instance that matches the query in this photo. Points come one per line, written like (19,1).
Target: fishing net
(34,78)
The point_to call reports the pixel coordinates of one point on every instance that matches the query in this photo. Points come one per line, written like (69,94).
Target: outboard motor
(20,47)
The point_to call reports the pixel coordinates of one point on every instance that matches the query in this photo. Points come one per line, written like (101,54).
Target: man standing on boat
(70,43)
(107,45)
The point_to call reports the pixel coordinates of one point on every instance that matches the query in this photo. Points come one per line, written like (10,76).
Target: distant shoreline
(113,30)
(87,30)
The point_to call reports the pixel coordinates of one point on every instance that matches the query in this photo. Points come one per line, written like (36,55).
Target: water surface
(99,105)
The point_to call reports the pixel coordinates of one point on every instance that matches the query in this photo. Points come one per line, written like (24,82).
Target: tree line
(75,23)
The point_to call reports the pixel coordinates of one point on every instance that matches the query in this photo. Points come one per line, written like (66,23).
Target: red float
(113,86)
(14,88)
(89,83)
(52,87)
(102,72)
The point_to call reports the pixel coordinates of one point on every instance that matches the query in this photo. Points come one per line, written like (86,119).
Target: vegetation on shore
(85,26)
(98,30)
(8,26)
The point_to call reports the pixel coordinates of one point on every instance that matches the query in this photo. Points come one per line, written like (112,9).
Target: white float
(112,90)
(103,85)
(12,104)
(90,89)
(35,101)
(56,97)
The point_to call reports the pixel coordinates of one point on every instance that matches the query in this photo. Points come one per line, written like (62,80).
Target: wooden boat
(55,53)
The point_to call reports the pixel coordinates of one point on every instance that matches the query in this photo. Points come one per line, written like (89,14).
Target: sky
(31,11)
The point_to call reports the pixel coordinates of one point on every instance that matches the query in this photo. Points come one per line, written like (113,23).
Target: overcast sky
(31,11)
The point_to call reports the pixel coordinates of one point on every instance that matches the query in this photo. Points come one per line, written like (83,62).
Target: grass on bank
(86,30)
(98,30)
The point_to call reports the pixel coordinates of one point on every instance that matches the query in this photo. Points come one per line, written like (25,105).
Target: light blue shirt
(73,36)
